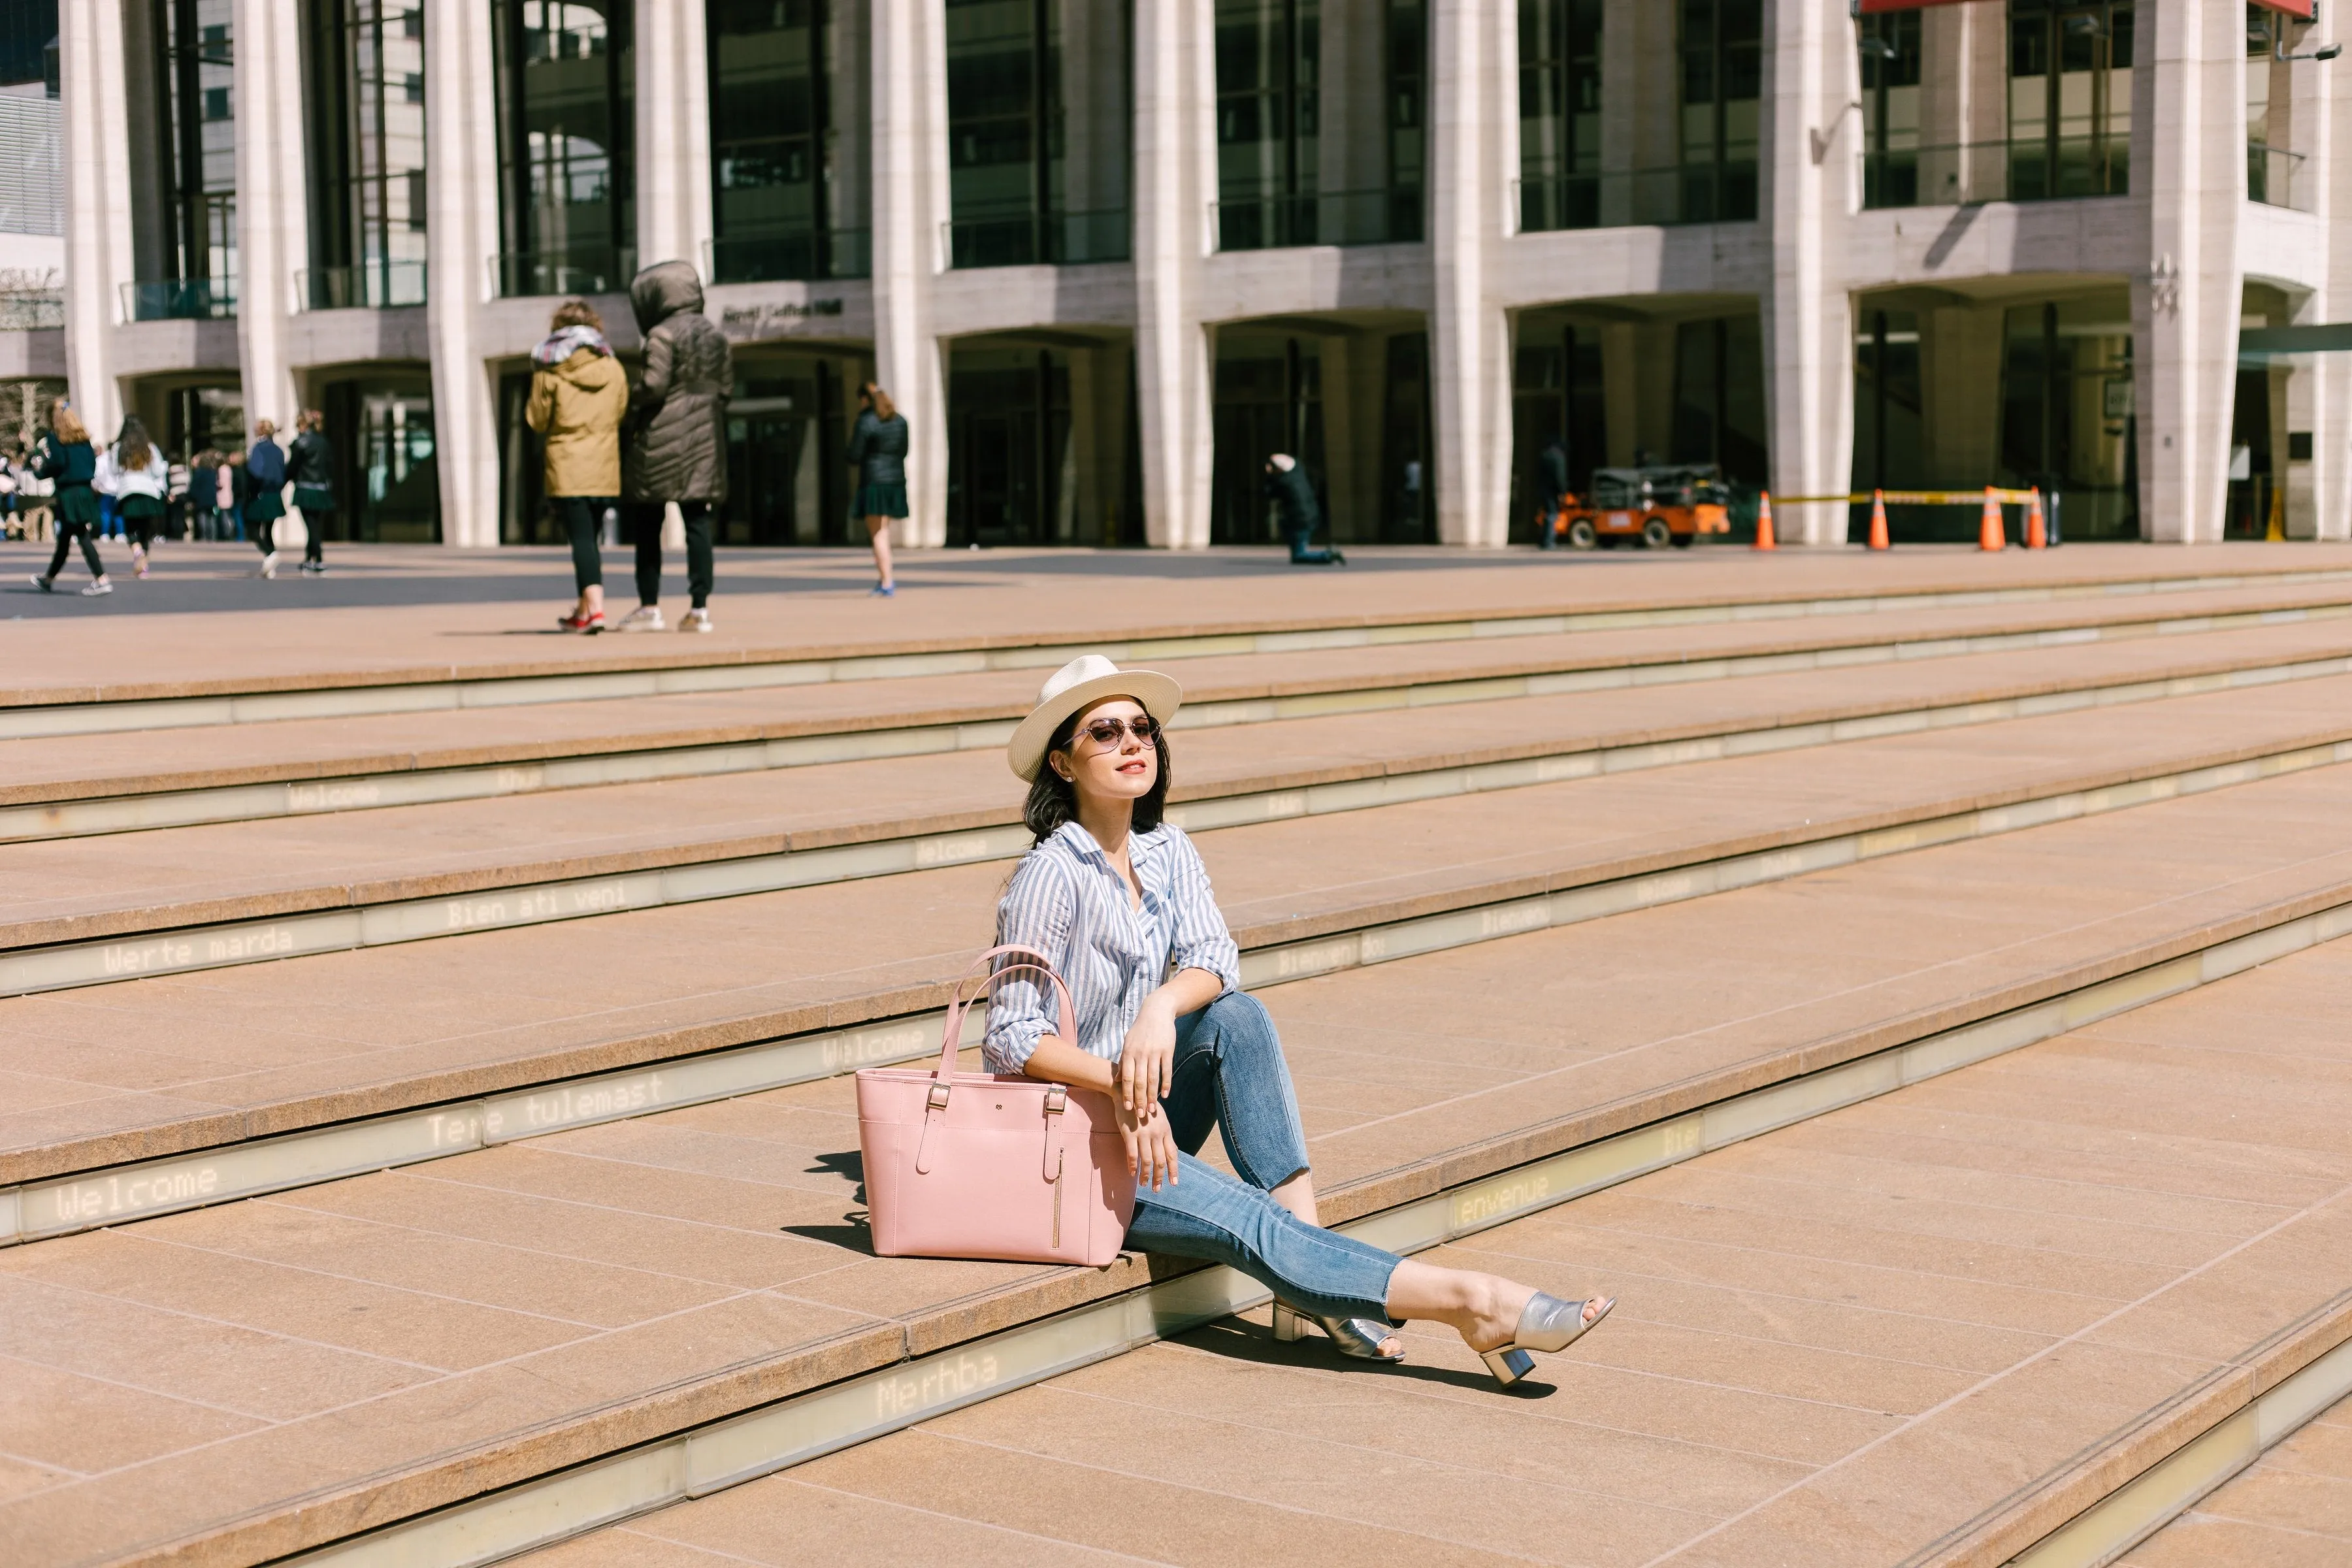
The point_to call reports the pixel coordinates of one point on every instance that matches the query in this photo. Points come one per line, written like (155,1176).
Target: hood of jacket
(663,291)
(587,369)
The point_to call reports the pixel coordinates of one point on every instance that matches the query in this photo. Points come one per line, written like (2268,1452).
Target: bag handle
(1036,961)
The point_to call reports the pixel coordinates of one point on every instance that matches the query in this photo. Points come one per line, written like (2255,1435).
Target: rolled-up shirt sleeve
(1197,935)
(1036,911)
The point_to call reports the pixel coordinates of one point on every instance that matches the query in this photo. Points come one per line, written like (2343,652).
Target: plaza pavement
(481,1186)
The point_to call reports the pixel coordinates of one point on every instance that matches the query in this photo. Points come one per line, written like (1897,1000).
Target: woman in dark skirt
(878,451)
(65,456)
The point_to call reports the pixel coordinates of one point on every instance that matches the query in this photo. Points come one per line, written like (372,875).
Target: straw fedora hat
(1077,686)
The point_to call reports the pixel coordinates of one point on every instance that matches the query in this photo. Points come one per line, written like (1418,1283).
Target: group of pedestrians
(617,445)
(127,490)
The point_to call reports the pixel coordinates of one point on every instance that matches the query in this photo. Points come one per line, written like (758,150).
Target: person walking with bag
(311,464)
(578,396)
(1118,901)
(136,474)
(878,451)
(264,494)
(677,450)
(65,458)
(1293,495)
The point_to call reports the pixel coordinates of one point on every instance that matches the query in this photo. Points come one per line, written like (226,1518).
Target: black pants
(67,533)
(584,520)
(645,518)
(314,522)
(262,532)
(140,524)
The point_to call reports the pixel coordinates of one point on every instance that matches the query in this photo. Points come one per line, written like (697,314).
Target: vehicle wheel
(1655,534)
(1684,541)
(1581,535)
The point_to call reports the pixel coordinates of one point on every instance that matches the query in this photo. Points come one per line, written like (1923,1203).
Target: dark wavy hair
(1053,800)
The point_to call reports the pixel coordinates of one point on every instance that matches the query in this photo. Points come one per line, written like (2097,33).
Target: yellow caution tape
(1913,498)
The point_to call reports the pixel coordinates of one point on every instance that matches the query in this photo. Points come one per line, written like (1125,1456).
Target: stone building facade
(1109,254)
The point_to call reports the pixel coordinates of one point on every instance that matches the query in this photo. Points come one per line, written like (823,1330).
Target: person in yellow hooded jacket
(578,395)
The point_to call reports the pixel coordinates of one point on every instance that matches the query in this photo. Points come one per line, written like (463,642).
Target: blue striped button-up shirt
(1069,903)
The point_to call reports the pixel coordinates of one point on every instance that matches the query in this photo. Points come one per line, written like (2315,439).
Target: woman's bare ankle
(1496,1304)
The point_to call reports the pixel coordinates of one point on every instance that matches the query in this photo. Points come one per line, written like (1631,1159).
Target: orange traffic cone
(1764,521)
(1990,532)
(2037,535)
(1878,520)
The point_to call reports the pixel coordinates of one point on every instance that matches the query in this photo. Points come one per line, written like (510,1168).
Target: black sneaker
(43,584)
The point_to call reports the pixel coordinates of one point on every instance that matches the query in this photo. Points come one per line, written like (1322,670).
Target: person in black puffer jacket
(64,455)
(675,447)
(310,464)
(878,451)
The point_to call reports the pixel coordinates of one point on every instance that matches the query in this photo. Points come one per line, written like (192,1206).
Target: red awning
(1871,7)
(2297,9)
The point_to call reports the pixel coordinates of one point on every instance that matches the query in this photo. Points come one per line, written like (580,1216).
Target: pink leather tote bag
(978,1166)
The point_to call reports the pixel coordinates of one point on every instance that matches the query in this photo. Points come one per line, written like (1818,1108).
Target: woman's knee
(1241,1020)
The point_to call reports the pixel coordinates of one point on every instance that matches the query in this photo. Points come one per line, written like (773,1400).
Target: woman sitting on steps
(1120,902)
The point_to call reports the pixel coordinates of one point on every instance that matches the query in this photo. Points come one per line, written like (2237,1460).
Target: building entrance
(1042,443)
(1348,397)
(787,431)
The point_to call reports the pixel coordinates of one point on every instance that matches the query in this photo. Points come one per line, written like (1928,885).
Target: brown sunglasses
(1111,731)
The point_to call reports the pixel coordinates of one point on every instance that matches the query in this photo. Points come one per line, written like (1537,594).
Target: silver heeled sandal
(1358,1338)
(1546,1323)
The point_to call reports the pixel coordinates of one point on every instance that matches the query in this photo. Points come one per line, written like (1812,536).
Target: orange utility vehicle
(1658,506)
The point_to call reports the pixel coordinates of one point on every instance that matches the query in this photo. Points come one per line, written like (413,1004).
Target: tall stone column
(909,207)
(98,259)
(2319,500)
(1469,350)
(2189,113)
(1175,175)
(273,225)
(461,191)
(1809,139)
(673,125)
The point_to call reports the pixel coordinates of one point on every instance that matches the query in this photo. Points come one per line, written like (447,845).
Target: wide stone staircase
(1914,993)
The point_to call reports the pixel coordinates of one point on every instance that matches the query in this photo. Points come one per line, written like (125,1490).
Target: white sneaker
(694,621)
(270,564)
(97,589)
(644,618)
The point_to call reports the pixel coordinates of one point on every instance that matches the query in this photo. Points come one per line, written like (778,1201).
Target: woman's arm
(1147,1060)
(1151,1143)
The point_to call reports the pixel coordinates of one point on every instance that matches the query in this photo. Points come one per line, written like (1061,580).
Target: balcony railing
(1027,240)
(1389,216)
(1677,194)
(573,269)
(179,299)
(2271,175)
(1963,173)
(369,285)
(31,312)
(790,255)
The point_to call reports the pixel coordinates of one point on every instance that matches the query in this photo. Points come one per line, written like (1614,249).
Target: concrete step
(1953,1316)
(444,654)
(409,1051)
(2292,1507)
(109,784)
(1922,1329)
(81,902)
(1245,678)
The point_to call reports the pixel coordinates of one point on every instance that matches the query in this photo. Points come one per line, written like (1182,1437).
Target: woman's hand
(1147,1061)
(1151,1145)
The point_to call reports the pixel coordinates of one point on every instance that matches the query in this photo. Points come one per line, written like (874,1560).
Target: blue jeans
(1300,555)
(1229,1074)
